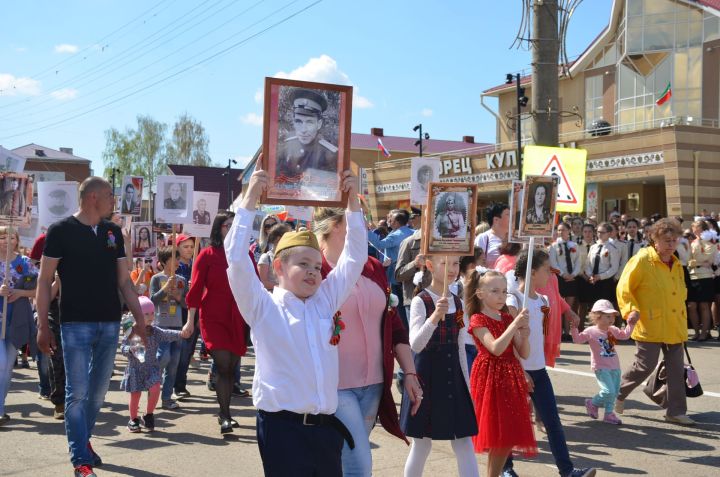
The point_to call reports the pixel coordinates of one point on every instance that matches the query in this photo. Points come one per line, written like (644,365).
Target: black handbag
(696,390)
(656,385)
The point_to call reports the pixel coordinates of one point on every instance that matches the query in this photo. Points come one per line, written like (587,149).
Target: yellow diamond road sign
(567,165)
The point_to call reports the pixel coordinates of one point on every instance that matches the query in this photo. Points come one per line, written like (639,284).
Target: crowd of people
(333,311)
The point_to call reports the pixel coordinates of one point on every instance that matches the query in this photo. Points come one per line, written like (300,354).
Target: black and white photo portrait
(131,195)
(201,216)
(175,197)
(423,171)
(450,213)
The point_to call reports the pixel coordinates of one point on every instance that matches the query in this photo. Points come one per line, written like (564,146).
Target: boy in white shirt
(293,331)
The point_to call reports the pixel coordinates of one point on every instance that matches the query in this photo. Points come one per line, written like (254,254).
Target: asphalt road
(187,442)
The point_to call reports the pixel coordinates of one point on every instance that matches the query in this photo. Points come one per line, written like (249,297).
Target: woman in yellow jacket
(651,293)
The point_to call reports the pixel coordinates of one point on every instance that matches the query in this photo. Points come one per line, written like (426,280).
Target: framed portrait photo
(537,216)
(423,171)
(449,225)
(56,200)
(306,142)
(131,195)
(516,205)
(204,212)
(143,239)
(174,199)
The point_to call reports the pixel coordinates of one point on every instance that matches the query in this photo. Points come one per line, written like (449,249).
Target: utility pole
(229,182)
(419,142)
(545,47)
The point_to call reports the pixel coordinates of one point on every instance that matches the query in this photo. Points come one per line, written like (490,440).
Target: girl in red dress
(497,380)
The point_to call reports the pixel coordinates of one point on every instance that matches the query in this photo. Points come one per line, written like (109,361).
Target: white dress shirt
(296,367)
(556,252)
(609,260)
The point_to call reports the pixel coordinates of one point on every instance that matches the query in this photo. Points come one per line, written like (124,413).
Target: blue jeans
(609,381)
(43,366)
(357,409)
(7,360)
(89,353)
(187,349)
(543,398)
(168,356)
(471,352)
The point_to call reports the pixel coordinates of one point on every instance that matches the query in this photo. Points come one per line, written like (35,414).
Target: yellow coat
(658,293)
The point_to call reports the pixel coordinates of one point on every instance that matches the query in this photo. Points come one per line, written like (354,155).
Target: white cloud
(324,69)
(252,119)
(427,112)
(11,85)
(64,94)
(66,48)
(259,96)
(21,49)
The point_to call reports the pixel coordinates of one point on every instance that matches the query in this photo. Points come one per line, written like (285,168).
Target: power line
(184,70)
(182,48)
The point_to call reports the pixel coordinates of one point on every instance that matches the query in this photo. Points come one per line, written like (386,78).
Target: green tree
(189,143)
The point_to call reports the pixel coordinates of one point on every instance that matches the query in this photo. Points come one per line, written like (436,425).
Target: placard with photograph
(131,195)
(516,205)
(174,199)
(423,171)
(56,200)
(16,195)
(538,211)
(449,225)
(306,141)
(11,162)
(143,240)
(204,212)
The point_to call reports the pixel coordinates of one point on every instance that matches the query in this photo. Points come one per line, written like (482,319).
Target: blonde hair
(4,231)
(324,219)
(482,227)
(475,281)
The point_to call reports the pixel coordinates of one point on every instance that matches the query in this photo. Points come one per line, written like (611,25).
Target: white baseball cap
(604,306)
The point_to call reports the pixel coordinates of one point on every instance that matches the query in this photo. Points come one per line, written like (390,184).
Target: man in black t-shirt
(88,254)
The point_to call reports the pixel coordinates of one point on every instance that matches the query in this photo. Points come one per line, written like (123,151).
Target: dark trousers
(56,368)
(290,448)
(543,398)
(397,289)
(187,349)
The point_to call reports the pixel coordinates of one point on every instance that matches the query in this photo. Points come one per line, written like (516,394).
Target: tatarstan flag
(665,96)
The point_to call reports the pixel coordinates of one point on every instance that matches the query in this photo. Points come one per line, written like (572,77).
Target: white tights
(464,455)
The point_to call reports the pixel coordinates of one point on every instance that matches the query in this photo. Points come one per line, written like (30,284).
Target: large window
(593,99)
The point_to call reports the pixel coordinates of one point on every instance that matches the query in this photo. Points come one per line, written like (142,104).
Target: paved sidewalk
(188,442)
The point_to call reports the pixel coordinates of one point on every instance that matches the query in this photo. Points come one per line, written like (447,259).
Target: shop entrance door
(612,205)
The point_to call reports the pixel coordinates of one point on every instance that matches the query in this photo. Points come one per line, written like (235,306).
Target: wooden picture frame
(537,217)
(449,227)
(306,142)
(16,199)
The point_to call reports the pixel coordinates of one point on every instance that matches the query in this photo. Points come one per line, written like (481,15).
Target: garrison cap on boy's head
(308,102)
(297,239)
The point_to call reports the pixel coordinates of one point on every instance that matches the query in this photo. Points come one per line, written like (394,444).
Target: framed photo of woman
(143,240)
(306,142)
(449,225)
(537,217)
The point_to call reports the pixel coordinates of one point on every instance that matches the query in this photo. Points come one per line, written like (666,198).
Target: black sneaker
(148,422)
(134,425)
(240,392)
(585,472)
(182,392)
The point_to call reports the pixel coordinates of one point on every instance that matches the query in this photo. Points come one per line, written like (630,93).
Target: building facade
(643,157)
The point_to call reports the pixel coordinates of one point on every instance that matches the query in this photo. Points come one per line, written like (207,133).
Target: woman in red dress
(221,325)
(497,381)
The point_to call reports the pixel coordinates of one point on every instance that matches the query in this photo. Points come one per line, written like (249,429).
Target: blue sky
(409,61)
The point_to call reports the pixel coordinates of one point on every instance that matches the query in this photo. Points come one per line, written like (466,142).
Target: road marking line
(591,375)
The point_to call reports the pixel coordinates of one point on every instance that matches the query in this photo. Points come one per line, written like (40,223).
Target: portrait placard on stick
(538,212)
(131,195)
(516,205)
(449,225)
(11,162)
(56,200)
(306,141)
(204,211)
(174,199)
(423,171)
(143,240)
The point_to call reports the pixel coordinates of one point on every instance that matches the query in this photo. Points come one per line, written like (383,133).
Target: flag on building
(665,96)
(382,148)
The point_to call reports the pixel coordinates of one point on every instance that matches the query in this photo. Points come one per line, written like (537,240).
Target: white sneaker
(682,419)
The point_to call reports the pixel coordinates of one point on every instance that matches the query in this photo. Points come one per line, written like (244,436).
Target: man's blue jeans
(89,353)
(543,398)
(168,356)
(43,365)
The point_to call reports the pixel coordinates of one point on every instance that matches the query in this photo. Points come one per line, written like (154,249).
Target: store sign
(498,160)
(456,166)
(480,178)
(630,160)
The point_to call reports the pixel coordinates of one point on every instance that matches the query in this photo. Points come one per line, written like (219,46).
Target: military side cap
(297,239)
(308,102)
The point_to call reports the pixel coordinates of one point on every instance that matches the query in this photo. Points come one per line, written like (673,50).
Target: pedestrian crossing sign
(567,166)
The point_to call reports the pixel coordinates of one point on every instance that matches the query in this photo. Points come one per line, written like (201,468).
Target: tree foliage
(188,144)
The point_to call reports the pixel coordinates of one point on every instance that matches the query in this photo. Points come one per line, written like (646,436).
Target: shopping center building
(643,157)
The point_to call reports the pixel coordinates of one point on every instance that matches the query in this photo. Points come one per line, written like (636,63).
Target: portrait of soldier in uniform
(306,149)
(449,218)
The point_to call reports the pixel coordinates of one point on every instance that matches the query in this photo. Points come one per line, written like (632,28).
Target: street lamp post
(229,182)
(419,142)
